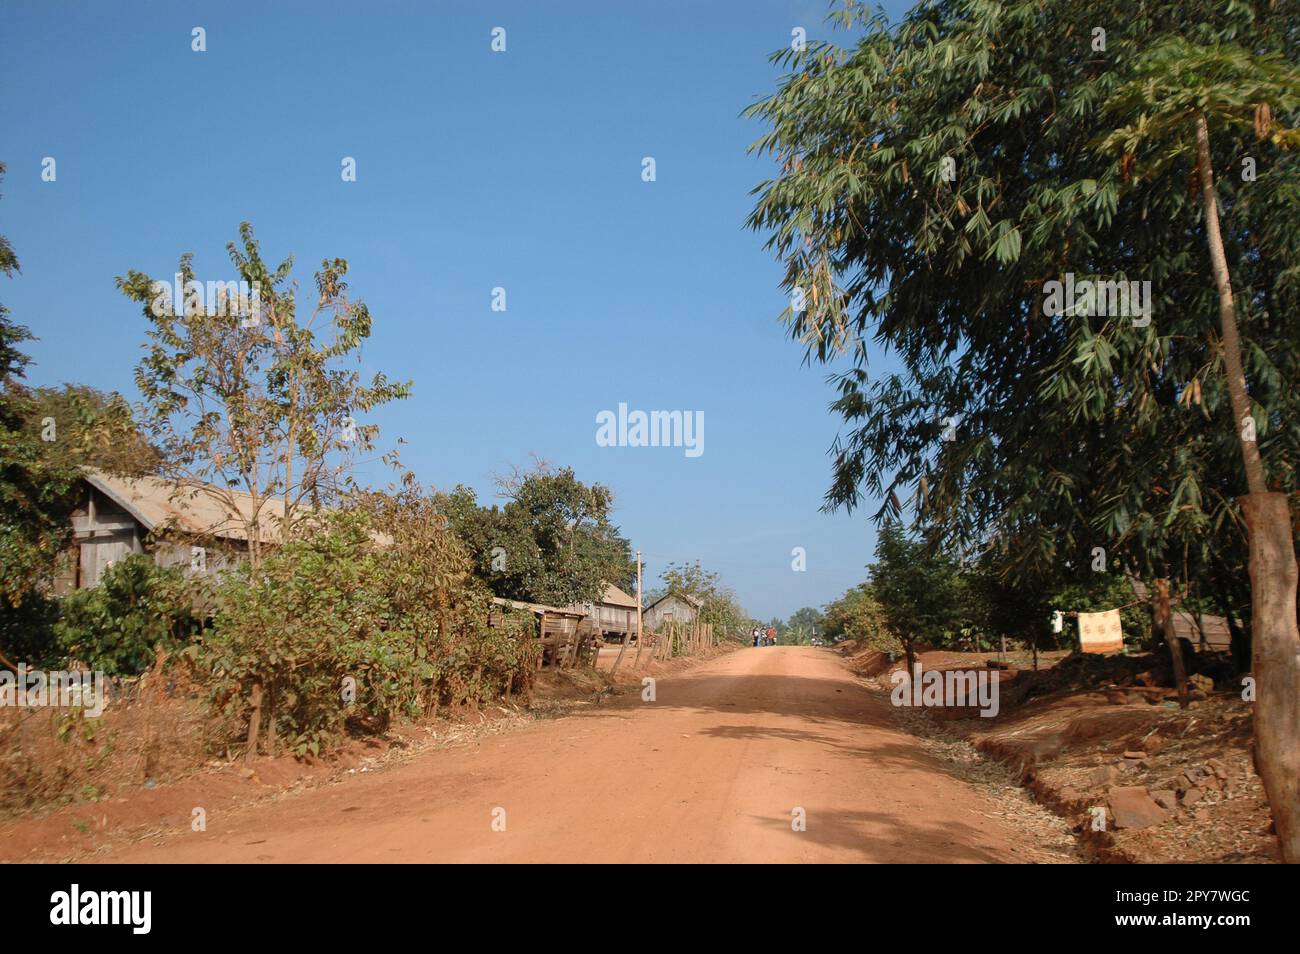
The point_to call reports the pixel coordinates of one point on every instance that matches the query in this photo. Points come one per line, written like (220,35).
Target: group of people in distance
(764,638)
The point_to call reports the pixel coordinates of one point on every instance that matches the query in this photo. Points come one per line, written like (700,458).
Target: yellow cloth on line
(1101,632)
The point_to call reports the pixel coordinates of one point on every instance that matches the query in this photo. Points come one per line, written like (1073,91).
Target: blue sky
(475,170)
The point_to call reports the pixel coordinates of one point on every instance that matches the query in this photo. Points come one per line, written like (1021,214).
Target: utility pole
(637,661)
(623,646)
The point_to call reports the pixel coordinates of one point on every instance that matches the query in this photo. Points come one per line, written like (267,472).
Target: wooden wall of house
(104,534)
(672,608)
(615,619)
(215,558)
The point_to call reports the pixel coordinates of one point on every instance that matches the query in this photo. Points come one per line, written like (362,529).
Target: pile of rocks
(1137,806)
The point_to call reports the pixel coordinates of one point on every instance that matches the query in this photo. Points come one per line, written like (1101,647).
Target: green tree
(85,427)
(858,615)
(1179,91)
(37,490)
(241,395)
(552,542)
(117,625)
(807,618)
(918,590)
(937,177)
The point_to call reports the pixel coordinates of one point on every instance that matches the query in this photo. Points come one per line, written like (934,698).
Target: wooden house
(614,616)
(1204,631)
(567,635)
(680,608)
(179,524)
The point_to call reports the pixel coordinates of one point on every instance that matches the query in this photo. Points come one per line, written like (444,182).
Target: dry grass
(154,731)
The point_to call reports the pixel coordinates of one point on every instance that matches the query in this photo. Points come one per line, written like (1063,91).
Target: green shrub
(115,626)
(372,615)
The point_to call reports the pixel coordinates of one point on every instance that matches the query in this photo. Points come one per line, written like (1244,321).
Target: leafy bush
(372,615)
(116,625)
(858,615)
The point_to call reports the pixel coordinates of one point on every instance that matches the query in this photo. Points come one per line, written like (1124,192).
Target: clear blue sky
(475,169)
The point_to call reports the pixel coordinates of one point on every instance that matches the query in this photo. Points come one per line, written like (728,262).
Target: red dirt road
(709,772)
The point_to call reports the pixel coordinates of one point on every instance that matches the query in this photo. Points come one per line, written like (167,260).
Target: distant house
(613,615)
(179,524)
(566,634)
(1203,631)
(671,607)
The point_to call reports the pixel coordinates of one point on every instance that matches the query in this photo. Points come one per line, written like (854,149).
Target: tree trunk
(254,720)
(1276,652)
(270,722)
(1163,618)
(1275,637)
(1231,340)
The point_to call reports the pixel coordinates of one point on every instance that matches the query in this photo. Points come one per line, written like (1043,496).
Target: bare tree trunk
(254,720)
(1275,637)
(1276,661)
(1231,340)
(270,722)
(1164,623)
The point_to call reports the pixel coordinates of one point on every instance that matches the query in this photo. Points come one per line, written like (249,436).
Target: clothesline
(1124,607)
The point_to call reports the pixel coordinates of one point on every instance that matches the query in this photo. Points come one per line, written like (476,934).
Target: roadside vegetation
(939,181)
(353,607)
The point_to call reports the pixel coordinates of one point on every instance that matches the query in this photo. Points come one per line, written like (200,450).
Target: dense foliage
(937,173)
(372,615)
(552,541)
(116,626)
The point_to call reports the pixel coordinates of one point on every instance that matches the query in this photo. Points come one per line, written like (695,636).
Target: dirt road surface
(709,772)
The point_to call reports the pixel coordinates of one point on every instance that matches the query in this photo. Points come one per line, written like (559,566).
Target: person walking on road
(755,635)
(771,635)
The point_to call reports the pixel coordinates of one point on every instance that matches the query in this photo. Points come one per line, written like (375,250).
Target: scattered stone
(1165,798)
(1192,796)
(1154,743)
(1218,768)
(1203,683)
(1134,755)
(1132,807)
(1103,775)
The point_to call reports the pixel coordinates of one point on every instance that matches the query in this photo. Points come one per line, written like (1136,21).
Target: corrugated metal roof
(616,597)
(193,507)
(684,597)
